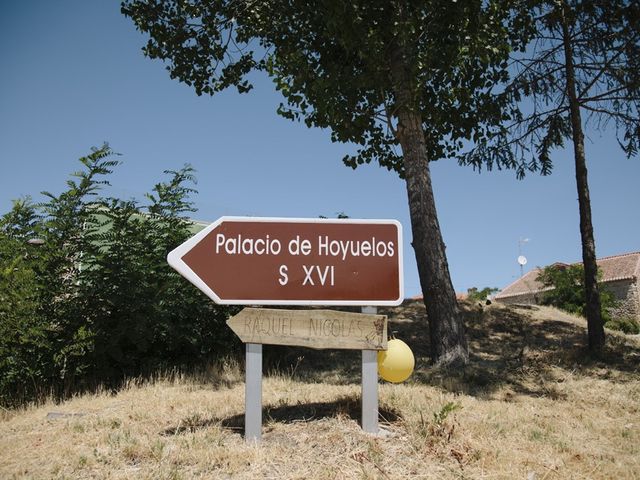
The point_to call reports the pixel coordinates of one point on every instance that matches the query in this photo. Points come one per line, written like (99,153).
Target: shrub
(626,325)
(568,291)
(97,302)
(25,346)
(476,295)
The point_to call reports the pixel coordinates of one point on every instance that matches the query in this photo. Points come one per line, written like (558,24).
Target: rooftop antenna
(522,260)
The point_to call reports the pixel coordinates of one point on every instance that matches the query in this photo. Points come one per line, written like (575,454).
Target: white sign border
(175,261)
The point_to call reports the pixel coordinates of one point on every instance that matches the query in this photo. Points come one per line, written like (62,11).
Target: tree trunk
(593,311)
(447,335)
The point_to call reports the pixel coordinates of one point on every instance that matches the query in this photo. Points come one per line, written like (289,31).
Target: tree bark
(595,327)
(447,336)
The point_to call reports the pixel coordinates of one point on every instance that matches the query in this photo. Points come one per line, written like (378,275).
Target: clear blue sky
(72,76)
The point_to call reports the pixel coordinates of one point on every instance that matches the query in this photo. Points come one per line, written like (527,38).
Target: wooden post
(370,385)
(253,393)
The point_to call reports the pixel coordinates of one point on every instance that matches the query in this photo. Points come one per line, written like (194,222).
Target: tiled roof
(617,267)
(525,284)
(620,267)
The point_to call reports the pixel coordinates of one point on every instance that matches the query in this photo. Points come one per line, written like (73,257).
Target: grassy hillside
(530,405)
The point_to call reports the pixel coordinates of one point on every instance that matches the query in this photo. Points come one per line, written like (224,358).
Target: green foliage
(24,344)
(68,230)
(332,60)
(480,295)
(604,40)
(21,222)
(97,301)
(441,415)
(630,326)
(568,291)
(339,216)
(440,428)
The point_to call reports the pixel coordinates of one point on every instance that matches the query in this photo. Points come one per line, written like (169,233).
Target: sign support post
(253,393)
(370,385)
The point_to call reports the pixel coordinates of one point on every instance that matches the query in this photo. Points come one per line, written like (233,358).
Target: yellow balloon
(395,364)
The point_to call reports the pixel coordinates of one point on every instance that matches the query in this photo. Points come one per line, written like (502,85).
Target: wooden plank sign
(311,328)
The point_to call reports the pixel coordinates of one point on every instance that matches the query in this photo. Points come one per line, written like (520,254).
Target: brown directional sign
(249,261)
(311,328)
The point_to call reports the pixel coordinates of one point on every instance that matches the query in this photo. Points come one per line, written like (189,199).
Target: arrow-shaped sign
(249,261)
(311,328)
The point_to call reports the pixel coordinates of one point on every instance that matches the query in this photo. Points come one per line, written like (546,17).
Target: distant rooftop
(617,267)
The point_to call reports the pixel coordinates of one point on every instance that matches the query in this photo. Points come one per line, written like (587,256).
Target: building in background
(619,275)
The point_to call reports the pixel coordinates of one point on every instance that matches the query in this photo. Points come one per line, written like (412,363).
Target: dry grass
(530,405)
